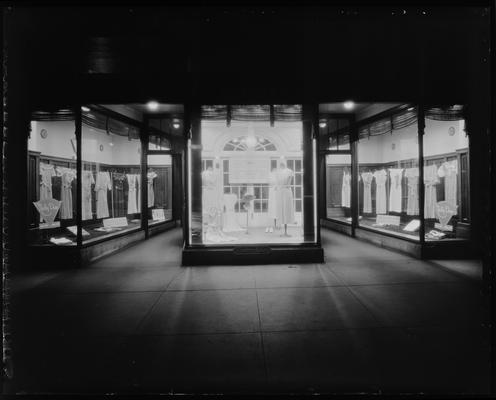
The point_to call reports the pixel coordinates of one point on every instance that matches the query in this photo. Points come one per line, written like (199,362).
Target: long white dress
(395,190)
(285,204)
(132,207)
(151,193)
(272,206)
(380,191)
(412,205)
(87,181)
(430,181)
(449,170)
(67,176)
(102,186)
(367,191)
(346,190)
(47,171)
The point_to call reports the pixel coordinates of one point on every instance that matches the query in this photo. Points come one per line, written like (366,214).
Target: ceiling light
(349,105)
(85,109)
(323,123)
(152,105)
(176,124)
(410,109)
(111,144)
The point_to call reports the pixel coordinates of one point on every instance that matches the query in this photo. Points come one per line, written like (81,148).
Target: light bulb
(349,105)
(152,105)
(323,124)
(85,109)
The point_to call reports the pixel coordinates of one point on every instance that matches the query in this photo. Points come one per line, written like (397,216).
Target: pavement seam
(262,340)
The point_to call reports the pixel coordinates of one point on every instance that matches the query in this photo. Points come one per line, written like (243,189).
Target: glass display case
(338,187)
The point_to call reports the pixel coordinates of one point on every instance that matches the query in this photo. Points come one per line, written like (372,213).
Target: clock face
(43,133)
(101,147)
(451,131)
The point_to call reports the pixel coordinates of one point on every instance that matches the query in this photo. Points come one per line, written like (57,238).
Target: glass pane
(251,195)
(446,180)
(111,183)
(159,188)
(338,187)
(52,184)
(388,197)
(158,142)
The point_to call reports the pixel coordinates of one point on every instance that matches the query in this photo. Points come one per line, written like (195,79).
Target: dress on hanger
(87,181)
(67,176)
(395,189)
(449,170)
(430,181)
(346,190)
(119,197)
(132,207)
(138,192)
(102,186)
(151,193)
(284,196)
(380,191)
(367,194)
(412,205)
(47,171)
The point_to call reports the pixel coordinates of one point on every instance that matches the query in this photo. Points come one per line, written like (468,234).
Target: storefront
(101,177)
(397,175)
(251,185)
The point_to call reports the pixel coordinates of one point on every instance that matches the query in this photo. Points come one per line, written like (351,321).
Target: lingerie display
(132,207)
(395,190)
(367,191)
(431,179)
(449,171)
(412,204)
(380,191)
(102,186)
(67,177)
(346,190)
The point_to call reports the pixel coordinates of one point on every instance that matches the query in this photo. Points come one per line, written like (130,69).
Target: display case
(251,188)
(393,202)
(97,181)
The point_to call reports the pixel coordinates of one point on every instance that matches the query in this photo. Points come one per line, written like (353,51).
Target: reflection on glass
(388,195)
(252,182)
(111,178)
(445,180)
(159,188)
(52,183)
(338,187)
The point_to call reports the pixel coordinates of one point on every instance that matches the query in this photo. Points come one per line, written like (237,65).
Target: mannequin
(284,196)
(272,206)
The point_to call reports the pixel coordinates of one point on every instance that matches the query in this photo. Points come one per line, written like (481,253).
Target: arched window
(242,143)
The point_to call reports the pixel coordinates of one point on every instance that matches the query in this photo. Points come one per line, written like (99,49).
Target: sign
(412,226)
(114,222)
(158,214)
(444,211)
(73,230)
(48,209)
(387,220)
(249,170)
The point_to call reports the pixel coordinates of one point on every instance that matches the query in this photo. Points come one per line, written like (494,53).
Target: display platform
(257,235)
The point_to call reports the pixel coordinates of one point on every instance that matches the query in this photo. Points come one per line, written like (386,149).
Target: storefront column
(308,173)
(354,175)
(79,176)
(421,188)
(144,170)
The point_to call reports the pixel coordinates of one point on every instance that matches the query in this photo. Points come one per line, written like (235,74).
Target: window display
(445,182)
(111,176)
(338,187)
(159,188)
(52,183)
(252,182)
(388,175)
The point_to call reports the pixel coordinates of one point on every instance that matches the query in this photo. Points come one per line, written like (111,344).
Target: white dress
(272,206)
(138,192)
(87,181)
(102,186)
(132,207)
(412,205)
(67,176)
(151,193)
(380,191)
(430,181)
(367,195)
(210,197)
(346,190)
(230,223)
(285,205)
(47,171)
(449,170)
(395,190)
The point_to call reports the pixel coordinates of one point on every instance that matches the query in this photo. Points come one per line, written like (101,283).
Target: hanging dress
(430,181)
(87,181)
(210,204)
(151,193)
(395,189)
(102,186)
(138,192)
(380,191)
(132,207)
(67,176)
(272,206)
(346,190)
(367,194)
(412,205)
(285,205)
(449,170)
(47,171)
(119,197)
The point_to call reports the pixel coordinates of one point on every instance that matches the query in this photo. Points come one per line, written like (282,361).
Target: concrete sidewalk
(368,320)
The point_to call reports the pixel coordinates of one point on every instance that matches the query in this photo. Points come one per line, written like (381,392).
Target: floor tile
(215,277)
(311,308)
(295,275)
(208,311)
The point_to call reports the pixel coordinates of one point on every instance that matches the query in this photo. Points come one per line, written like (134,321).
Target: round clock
(43,133)
(101,147)
(451,131)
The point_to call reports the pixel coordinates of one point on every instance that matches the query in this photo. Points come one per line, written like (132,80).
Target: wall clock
(101,147)
(451,131)
(43,133)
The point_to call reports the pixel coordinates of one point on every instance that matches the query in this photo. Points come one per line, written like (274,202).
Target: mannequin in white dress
(284,195)
(272,206)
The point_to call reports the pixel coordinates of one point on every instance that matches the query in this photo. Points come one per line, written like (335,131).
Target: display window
(111,176)
(388,175)
(338,187)
(159,188)
(446,176)
(52,182)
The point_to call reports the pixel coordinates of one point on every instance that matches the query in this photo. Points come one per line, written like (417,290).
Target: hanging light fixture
(349,105)
(176,124)
(152,105)
(322,123)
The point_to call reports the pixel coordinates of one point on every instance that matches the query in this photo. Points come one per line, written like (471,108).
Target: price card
(115,222)
(387,220)
(158,214)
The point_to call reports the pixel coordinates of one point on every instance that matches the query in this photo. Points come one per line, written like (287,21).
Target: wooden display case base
(252,255)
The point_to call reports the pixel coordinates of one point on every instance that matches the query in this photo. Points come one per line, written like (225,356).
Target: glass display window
(111,176)
(159,188)
(52,183)
(338,187)
(446,178)
(388,175)
(251,181)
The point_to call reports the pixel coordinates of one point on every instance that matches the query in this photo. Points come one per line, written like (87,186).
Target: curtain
(57,115)
(448,113)
(400,120)
(282,112)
